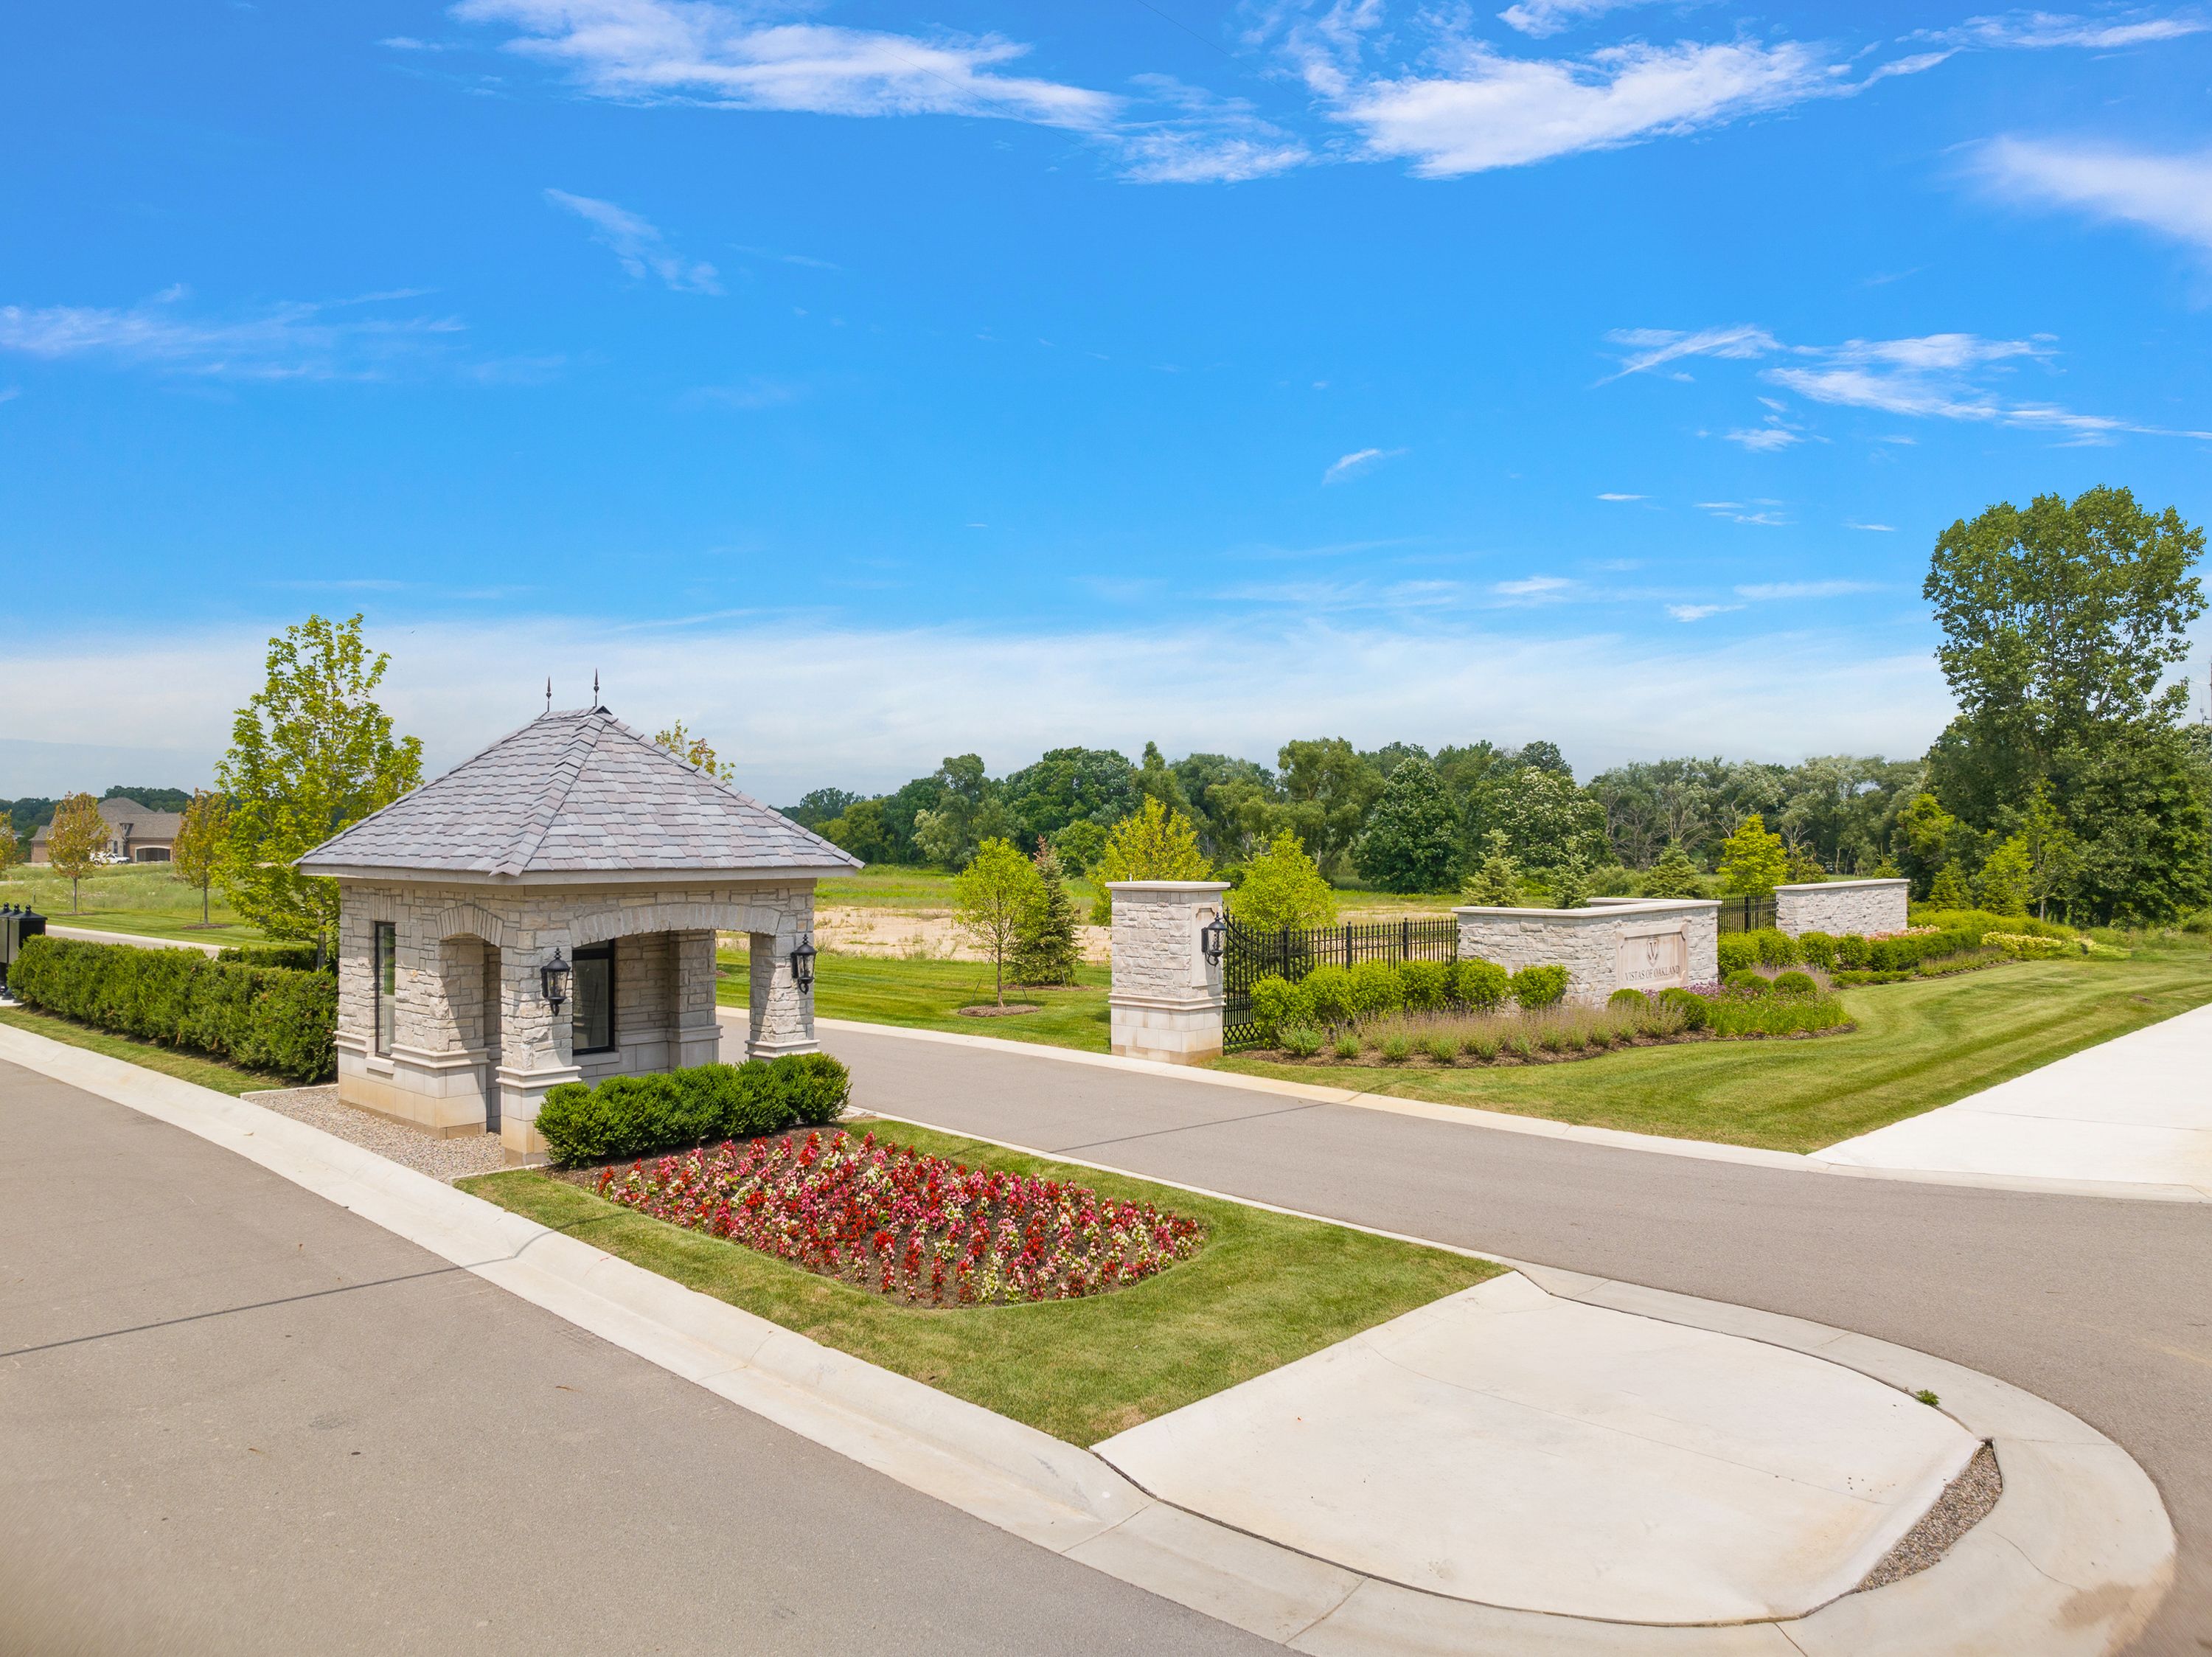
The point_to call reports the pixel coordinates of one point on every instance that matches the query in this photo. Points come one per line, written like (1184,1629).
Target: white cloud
(1360,460)
(796,706)
(1805,589)
(1887,529)
(1543,17)
(336,340)
(1534,589)
(1487,111)
(1699,612)
(1764,439)
(1650,348)
(1184,134)
(1932,376)
(2043,30)
(1612,495)
(689,50)
(638,245)
(2169,194)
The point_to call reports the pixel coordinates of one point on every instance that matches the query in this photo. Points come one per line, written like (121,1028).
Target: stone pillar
(698,1039)
(534,1054)
(437,1049)
(782,1014)
(1167,997)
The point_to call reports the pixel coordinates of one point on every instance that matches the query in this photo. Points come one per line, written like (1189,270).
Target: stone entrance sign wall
(1841,906)
(1630,943)
(1167,997)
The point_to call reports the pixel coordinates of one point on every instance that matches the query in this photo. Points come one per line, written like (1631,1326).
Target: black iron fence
(1747,914)
(1249,955)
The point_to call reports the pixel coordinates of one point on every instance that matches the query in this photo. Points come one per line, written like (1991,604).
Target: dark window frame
(603,952)
(383,964)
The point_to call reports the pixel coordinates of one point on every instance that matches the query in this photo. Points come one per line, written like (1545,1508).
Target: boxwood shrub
(263,1018)
(1277,1004)
(1539,986)
(642,1115)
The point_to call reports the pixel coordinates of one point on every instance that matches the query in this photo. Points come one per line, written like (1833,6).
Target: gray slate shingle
(572,793)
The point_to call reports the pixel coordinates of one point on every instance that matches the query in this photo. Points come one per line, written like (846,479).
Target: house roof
(576,795)
(127,816)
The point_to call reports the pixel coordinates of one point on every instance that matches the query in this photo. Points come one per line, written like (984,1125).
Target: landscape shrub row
(1329,997)
(631,1116)
(263,1018)
(1504,1035)
(298,957)
(1900,952)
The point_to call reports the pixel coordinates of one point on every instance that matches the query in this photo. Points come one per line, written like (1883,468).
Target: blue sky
(863,382)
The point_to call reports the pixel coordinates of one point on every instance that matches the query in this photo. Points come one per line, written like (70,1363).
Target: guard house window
(387,984)
(594,1030)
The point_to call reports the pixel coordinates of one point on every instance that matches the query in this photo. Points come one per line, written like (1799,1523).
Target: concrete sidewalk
(2134,1109)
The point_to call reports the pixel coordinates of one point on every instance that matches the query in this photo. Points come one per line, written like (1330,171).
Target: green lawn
(185,1067)
(923,994)
(1265,1290)
(1918,1045)
(902,886)
(146,899)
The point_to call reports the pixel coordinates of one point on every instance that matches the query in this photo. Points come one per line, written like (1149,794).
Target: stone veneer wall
(1167,998)
(1841,906)
(1644,944)
(461,1060)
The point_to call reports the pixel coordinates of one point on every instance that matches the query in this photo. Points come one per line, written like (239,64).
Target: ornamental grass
(917,1227)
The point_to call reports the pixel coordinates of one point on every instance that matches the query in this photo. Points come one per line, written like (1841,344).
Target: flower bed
(903,1223)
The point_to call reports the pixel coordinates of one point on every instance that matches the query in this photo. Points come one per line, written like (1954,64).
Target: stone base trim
(2074,1559)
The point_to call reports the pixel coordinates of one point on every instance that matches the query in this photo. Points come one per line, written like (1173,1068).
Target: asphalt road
(2102,1307)
(235,1419)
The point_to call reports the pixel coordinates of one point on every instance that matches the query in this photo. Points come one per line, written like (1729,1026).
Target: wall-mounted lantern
(802,964)
(1214,940)
(557,977)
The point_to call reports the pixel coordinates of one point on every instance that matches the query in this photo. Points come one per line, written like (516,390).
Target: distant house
(136,833)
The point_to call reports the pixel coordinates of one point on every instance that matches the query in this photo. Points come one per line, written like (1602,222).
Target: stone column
(1167,997)
(437,1052)
(698,1039)
(782,1014)
(534,1055)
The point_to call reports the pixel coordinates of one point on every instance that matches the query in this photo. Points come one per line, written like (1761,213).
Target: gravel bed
(410,1147)
(1966,1501)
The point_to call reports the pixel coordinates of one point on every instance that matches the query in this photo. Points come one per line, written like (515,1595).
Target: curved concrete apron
(1510,1448)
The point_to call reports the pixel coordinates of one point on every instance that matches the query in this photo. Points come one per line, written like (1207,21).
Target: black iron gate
(1249,955)
(1747,914)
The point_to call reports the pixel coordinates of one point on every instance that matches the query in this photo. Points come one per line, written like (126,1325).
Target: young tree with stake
(79,835)
(198,852)
(990,898)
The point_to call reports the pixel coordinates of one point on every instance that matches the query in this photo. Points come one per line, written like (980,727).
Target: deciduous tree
(1412,838)
(1283,887)
(78,835)
(989,898)
(1153,844)
(1752,861)
(310,753)
(198,852)
(696,749)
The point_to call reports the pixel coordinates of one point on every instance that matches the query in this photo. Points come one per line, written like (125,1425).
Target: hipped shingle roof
(576,793)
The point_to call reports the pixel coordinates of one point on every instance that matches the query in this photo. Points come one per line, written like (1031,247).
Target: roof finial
(548,693)
(595,690)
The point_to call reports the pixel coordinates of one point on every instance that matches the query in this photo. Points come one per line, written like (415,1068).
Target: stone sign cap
(576,795)
(1167,886)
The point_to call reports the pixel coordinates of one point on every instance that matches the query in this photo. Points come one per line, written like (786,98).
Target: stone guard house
(575,839)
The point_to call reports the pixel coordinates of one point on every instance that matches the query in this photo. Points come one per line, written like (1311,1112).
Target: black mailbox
(16,925)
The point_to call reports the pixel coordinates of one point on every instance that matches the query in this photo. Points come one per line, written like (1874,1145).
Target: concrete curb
(2074,1559)
(1467,1116)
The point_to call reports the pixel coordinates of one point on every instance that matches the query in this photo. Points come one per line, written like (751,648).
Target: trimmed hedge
(1330,996)
(1536,987)
(642,1115)
(262,1018)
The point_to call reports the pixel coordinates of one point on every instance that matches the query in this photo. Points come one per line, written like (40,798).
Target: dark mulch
(996,1012)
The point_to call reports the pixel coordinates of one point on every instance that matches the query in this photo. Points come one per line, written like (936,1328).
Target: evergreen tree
(1411,842)
(1045,948)
(1497,884)
(1949,889)
(1673,875)
(2006,878)
(1570,884)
